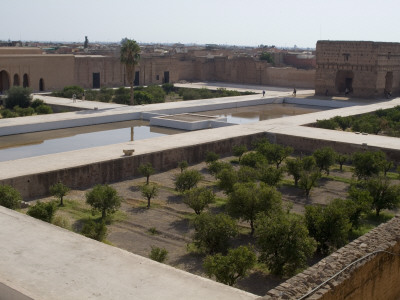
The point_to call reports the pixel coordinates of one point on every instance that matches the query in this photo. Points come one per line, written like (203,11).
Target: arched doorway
(25,81)
(4,81)
(344,80)
(16,80)
(41,85)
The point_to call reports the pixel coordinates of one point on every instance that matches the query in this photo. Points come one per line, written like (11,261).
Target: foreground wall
(376,277)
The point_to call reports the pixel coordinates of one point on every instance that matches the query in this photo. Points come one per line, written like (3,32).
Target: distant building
(364,69)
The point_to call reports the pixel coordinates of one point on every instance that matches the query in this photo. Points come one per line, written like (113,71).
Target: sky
(283,23)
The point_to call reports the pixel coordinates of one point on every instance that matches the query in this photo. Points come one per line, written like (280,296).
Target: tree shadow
(174,199)
(192,263)
(259,283)
(182,226)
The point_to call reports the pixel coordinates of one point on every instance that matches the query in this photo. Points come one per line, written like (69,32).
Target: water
(251,114)
(61,140)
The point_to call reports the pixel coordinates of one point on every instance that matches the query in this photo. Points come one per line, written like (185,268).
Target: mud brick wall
(309,145)
(84,176)
(376,277)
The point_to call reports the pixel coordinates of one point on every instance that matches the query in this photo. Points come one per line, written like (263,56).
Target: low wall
(83,176)
(376,277)
(309,145)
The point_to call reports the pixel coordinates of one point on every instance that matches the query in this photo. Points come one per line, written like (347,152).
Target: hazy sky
(252,22)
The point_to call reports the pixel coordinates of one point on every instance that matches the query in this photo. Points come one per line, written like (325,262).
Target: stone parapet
(373,277)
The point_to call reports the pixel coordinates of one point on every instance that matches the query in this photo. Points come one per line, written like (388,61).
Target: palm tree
(130,55)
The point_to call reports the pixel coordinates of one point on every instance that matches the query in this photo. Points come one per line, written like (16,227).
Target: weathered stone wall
(122,168)
(376,277)
(309,145)
(366,63)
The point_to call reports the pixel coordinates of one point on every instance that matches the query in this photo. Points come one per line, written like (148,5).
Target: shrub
(69,91)
(43,109)
(121,96)
(18,96)
(22,112)
(211,157)
(143,97)
(6,113)
(10,197)
(35,103)
(62,222)
(187,180)
(327,124)
(43,211)
(168,87)
(157,93)
(158,254)
(91,95)
(94,230)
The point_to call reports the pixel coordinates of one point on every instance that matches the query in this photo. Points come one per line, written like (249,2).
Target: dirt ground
(167,223)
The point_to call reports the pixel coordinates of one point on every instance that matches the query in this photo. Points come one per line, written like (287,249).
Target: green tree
(103,198)
(198,199)
(247,174)
(226,179)
(18,95)
(146,170)
(211,157)
(121,96)
(329,225)
(341,159)
(294,167)
(360,203)
(309,163)
(10,197)
(217,166)
(149,191)
(274,153)
(187,180)
(384,195)
(327,124)
(252,158)
(59,190)
(229,268)
(213,232)
(267,56)
(130,56)
(183,165)
(367,164)
(94,230)
(308,180)
(269,175)
(44,211)
(248,199)
(324,158)
(158,254)
(284,242)
(239,150)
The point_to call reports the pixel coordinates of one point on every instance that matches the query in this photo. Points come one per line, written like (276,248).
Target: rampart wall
(376,277)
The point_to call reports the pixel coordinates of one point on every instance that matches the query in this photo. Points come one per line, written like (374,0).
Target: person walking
(263,93)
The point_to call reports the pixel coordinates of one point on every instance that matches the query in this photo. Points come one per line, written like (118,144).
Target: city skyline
(282,24)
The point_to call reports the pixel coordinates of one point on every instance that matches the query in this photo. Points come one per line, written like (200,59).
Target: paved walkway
(46,262)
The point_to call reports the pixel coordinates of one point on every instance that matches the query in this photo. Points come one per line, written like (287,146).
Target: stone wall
(366,65)
(37,185)
(376,277)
